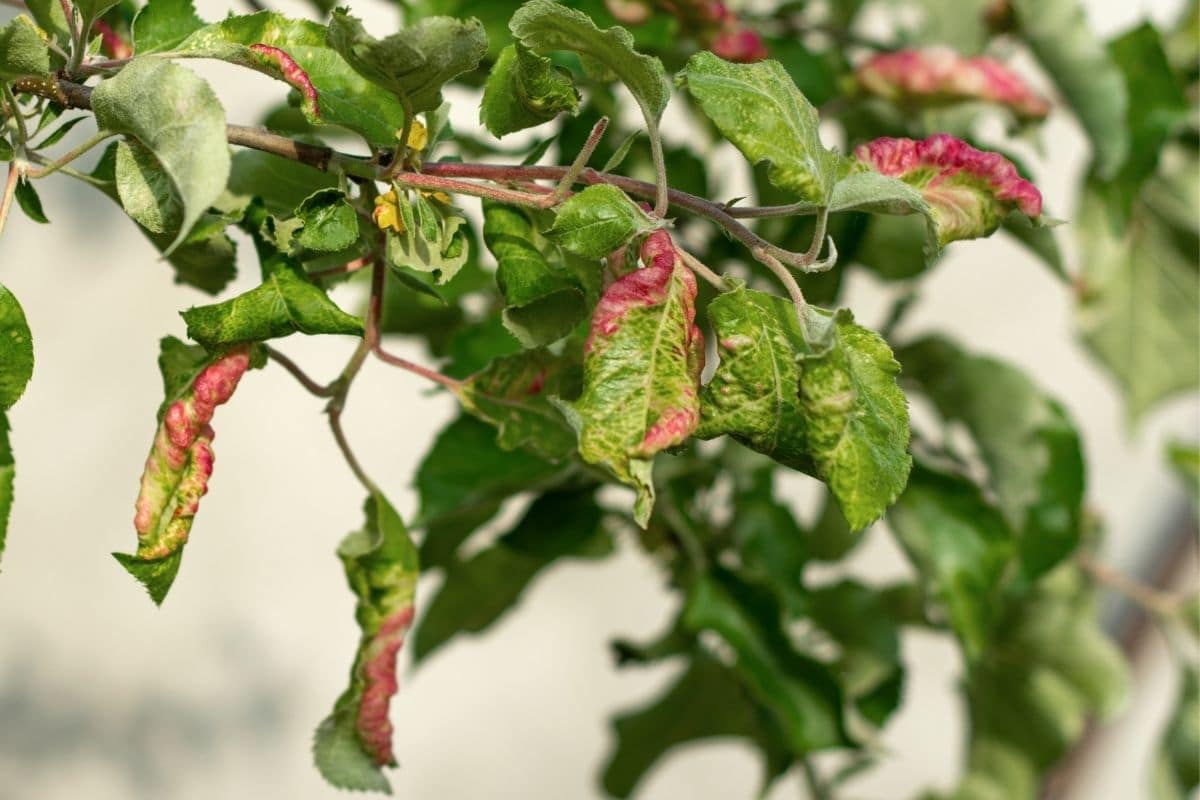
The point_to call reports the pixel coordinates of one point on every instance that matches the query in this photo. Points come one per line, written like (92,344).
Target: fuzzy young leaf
(147,192)
(329,222)
(545,26)
(514,394)
(1059,35)
(754,396)
(22,51)
(1032,451)
(525,89)
(16,350)
(758,108)
(333,92)
(478,591)
(597,221)
(542,301)
(708,701)
(417,61)
(641,371)
(181,459)
(142,101)
(381,564)
(162,25)
(856,417)
(960,545)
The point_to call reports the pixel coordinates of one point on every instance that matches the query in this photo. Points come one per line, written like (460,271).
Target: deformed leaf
(641,371)
(433,238)
(285,303)
(477,591)
(754,396)
(16,350)
(415,62)
(143,101)
(542,301)
(355,741)
(545,26)
(329,221)
(342,96)
(181,458)
(525,89)
(514,394)
(758,108)
(856,417)
(597,221)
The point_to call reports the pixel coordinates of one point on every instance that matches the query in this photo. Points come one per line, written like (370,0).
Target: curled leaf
(969,191)
(641,370)
(181,458)
(938,75)
(276,60)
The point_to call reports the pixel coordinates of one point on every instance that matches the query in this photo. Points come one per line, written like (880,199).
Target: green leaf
(478,591)
(597,221)
(1030,447)
(707,701)
(544,26)
(50,18)
(207,259)
(758,108)
(343,97)
(542,301)
(1185,460)
(146,191)
(514,394)
(524,89)
(285,303)
(28,200)
(434,239)
(22,51)
(329,222)
(1176,770)
(415,62)
(641,371)
(92,10)
(770,544)
(16,350)
(142,101)
(798,691)
(1139,305)
(754,396)
(162,25)
(382,567)
(282,184)
(960,546)
(463,480)
(8,474)
(1059,35)
(856,417)
(57,135)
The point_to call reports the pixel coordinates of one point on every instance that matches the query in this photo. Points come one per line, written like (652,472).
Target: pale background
(216,694)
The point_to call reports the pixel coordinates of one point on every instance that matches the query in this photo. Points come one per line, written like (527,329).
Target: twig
(788,280)
(344,269)
(1160,603)
(339,436)
(77,43)
(10,189)
(585,154)
(700,268)
(291,366)
(65,159)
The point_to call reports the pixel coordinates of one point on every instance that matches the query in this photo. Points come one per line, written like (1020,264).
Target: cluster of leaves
(579,360)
